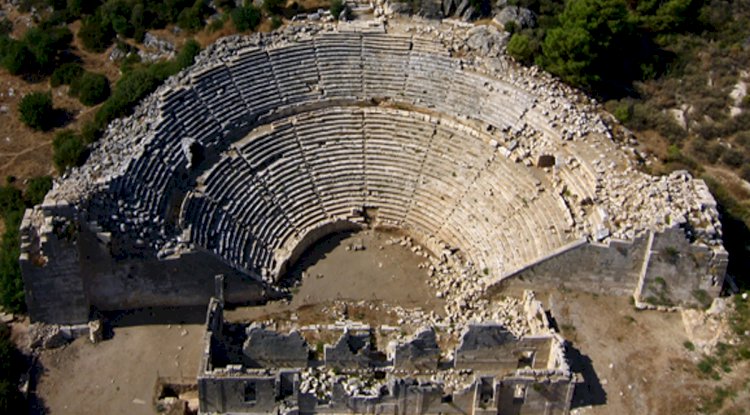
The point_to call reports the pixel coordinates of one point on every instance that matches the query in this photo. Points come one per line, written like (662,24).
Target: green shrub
(95,34)
(11,284)
(90,88)
(246,18)
(187,54)
(706,365)
(522,48)
(65,74)
(274,6)
(16,57)
(11,400)
(68,150)
(46,45)
(191,18)
(622,110)
(36,110)
(216,25)
(36,190)
(338,6)
(733,158)
(276,22)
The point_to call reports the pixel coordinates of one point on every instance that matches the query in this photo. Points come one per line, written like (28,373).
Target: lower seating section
(430,175)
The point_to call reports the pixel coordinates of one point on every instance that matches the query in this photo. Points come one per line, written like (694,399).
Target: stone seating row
(421,173)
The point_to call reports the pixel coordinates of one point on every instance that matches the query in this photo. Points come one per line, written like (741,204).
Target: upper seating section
(256,82)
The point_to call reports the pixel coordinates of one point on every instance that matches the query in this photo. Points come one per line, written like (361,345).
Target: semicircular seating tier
(265,140)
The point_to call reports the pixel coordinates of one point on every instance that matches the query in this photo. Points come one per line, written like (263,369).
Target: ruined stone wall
(68,271)
(599,268)
(506,357)
(680,273)
(661,269)
(232,394)
(134,282)
(50,265)
(534,397)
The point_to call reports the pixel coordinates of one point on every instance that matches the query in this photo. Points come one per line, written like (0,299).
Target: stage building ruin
(252,369)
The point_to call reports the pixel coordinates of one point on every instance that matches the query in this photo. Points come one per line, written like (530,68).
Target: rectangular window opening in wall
(486,390)
(250,392)
(526,359)
(519,394)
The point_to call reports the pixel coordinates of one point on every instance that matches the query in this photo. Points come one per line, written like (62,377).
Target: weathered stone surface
(352,351)
(520,16)
(486,40)
(265,348)
(419,353)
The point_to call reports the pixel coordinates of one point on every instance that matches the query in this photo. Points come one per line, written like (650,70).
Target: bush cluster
(36,111)
(90,88)
(39,51)
(12,205)
(133,18)
(246,18)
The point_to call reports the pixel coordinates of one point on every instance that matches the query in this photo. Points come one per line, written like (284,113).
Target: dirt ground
(118,376)
(631,362)
(381,272)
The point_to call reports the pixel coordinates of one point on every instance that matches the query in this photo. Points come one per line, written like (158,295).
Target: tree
(36,190)
(246,18)
(17,58)
(191,18)
(273,6)
(95,34)
(45,45)
(592,41)
(523,48)
(66,74)
(36,110)
(68,150)
(90,88)
(187,54)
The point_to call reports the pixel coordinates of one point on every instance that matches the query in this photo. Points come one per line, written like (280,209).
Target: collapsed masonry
(270,142)
(251,369)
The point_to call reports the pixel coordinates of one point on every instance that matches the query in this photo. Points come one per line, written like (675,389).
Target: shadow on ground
(590,391)
(35,403)
(155,315)
(312,255)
